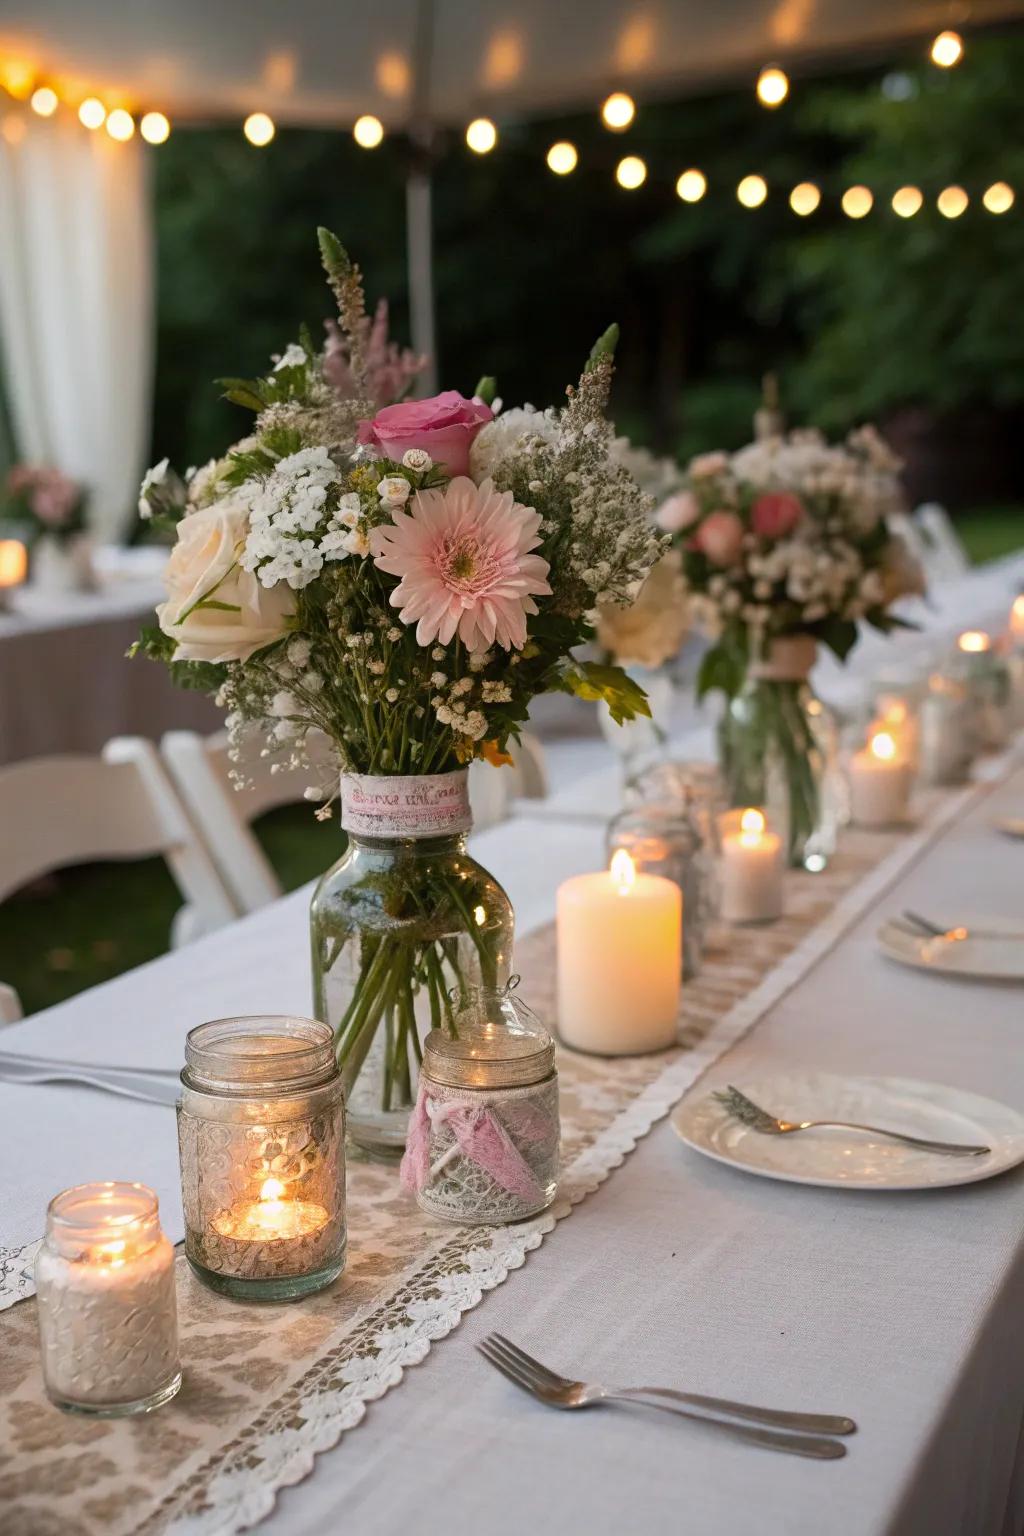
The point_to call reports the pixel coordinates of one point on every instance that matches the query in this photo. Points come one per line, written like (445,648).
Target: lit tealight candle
(988,686)
(13,566)
(1017,621)
(619,960)
(271,1218)
(752,864)
(879,783)
(973,642)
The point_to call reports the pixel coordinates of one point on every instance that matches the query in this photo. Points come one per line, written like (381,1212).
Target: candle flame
(883,747)
(272,1189)
(752,825)
(479,916)
(974,641)
(13,562)
(623,871)
(1017,612)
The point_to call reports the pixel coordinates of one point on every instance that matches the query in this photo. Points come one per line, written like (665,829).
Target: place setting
(484,772)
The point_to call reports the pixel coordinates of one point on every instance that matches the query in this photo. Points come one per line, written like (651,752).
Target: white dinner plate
(854,1159)
(985,955)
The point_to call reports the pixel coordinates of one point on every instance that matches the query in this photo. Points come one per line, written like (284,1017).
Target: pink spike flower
(464,556)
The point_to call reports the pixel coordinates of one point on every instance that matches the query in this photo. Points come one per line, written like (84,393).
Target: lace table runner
(268,1387)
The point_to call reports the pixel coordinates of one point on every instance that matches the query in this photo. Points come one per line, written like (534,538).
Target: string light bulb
(44,101)
(368,131)
(259,129)
(562,158)
(998,198)
(618,111)
(857,202)
(155,128)
(952,202)
(120,125)
(804,198)
(691,186)
(481,135)
(772,86)
(92,113)
(752,191)
(631,173)
(906,201)
(947,49)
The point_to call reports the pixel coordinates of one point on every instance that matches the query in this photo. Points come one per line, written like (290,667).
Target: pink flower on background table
(678,512)
(464,556)
(775,514)
(445,426)
(720,537)
(52,496)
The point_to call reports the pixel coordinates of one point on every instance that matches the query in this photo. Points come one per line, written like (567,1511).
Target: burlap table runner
(268,1387)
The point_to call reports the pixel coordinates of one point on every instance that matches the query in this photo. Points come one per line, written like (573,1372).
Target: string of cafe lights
(618,112)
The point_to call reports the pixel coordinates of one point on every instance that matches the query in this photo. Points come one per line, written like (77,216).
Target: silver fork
(560,1392)
(958,934)
(737,1104)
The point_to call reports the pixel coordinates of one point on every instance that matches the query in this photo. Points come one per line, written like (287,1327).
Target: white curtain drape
(76,307)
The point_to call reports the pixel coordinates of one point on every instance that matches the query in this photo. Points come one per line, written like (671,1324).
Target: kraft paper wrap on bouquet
(268,1387)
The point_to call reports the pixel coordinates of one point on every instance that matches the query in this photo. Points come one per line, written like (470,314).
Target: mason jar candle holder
(261,1136)
(987,678)
(484,1136)
(666,839)
(108,1322)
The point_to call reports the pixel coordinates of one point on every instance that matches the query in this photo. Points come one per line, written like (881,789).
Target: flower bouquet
(785,545)
(47,508)
(401,579)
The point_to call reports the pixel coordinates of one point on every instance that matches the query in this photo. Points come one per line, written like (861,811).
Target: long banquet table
(900,1310)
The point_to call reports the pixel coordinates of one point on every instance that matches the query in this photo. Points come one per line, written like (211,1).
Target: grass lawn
(89,924)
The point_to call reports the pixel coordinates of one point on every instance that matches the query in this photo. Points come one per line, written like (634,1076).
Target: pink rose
(445,426)
(720,537)
(678,512)
(774,514)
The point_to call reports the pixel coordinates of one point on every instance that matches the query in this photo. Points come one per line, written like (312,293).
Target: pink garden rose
(720,537)
(775,514)
(678,512)
(445,426)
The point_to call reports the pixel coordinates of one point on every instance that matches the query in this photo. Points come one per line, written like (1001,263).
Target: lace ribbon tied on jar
(479,1137)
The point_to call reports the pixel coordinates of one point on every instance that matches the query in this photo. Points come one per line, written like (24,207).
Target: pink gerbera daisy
(465,562)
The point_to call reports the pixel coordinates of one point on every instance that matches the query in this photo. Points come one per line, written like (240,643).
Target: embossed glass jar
(666,839)
(108,1324)
(484,1136)
(261,1135)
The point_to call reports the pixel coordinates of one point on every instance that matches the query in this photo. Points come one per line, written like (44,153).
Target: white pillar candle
(879,783)
(619,960)
(751,871)
(106,1304)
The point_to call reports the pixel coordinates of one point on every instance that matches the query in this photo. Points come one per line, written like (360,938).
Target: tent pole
(418,202)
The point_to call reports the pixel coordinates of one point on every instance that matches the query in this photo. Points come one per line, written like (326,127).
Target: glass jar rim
(131,1208)
(272,1053)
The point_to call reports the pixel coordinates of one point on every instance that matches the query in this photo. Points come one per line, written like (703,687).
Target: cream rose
(204,565)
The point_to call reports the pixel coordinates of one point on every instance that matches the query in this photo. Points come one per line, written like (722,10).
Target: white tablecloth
(65,682)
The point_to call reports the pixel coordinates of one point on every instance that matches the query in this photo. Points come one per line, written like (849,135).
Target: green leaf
(486,389)
(242,392)
(211,602)
(840,635)
(604,346)
(592,681)
(333,254)
(721,667)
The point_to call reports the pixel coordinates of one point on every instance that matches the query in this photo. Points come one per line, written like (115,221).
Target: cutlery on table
(956,935)
(25,1059)
(759,1119)
(150,1090)
(561,1392)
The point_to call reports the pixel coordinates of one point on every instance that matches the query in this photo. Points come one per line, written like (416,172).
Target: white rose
(204,564)
(394,490)
(418,460)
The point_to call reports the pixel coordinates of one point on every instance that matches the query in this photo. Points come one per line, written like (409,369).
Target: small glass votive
(484,1136)
(984,672)
(108,1320)
(945,739)
(667,840)
(261,1136)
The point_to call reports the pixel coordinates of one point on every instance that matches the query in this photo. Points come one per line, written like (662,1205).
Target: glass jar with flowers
(785,546)
(48,510)
(402,578)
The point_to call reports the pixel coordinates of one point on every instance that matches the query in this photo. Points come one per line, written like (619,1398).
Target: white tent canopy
(318,61)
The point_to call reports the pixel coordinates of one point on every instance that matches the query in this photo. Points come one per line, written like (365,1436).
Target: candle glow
(883,747)
(974,641)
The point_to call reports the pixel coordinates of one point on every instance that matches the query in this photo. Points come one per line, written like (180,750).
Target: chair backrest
(59,811)
(946,558)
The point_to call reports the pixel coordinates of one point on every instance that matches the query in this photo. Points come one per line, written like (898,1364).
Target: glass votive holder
(978,665)
(945,736)
(261,1136)
(108,1320)
(751,867)
(484,1137)
(667,840)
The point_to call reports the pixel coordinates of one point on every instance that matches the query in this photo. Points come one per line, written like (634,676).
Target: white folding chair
(65,810)
(946,559)
(200,770)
